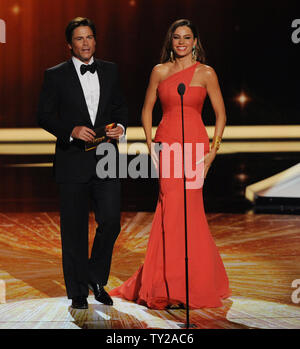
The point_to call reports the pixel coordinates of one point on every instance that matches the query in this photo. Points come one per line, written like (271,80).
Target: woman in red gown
(160,282)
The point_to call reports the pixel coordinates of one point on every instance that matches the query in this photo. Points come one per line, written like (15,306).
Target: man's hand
(115,132)
(84,133)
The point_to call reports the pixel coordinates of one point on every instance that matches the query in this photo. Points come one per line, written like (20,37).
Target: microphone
(181,89)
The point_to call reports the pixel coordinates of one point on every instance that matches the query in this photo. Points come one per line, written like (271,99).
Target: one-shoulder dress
(160,281)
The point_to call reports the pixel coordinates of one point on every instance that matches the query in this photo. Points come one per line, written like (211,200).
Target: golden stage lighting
(241,177)
(242,99)
(285,138)
(132,3)
(16,9)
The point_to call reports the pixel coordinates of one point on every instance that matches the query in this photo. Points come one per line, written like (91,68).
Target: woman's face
(183,41)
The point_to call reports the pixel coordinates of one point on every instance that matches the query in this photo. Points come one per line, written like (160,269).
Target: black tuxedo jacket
(62,106)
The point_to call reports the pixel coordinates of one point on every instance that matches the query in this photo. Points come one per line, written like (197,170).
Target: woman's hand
(208,159)
(154,154)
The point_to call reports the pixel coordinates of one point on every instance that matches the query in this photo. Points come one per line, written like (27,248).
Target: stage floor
(261,253)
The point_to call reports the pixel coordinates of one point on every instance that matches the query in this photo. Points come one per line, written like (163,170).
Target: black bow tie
(88,67)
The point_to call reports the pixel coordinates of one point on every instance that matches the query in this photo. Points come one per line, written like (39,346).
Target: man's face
(83,43)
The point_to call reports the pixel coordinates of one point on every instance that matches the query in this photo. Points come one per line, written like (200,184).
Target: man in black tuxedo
(77,97)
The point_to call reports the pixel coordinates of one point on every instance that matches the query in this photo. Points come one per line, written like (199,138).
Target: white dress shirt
(91,89)
(90,86)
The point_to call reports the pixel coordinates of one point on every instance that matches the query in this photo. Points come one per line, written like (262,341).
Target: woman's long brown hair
(167,47)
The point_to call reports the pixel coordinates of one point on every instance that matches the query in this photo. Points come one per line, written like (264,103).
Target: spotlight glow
(242,98)
(16,9)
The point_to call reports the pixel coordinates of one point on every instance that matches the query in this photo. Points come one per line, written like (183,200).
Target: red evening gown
(160,281)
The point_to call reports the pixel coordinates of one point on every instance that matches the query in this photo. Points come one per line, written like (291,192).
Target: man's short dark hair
(77,22)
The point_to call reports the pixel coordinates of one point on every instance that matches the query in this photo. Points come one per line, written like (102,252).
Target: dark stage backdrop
(249,44)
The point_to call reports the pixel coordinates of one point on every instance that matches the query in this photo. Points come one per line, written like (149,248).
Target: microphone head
(181,89)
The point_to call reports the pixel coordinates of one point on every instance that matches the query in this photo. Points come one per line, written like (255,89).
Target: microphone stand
(181,91)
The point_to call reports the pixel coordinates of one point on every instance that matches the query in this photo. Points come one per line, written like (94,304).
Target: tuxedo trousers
(75,198)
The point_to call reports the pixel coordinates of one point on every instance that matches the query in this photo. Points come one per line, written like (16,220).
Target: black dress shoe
(79,303)
(100,294)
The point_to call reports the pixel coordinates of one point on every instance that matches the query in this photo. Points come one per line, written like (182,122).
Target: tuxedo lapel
(103,80)
(78,91)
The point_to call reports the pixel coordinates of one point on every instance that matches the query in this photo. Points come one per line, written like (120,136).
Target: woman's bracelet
(216,143)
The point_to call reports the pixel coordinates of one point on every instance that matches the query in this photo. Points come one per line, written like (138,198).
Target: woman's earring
(172,56)
(194,55)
